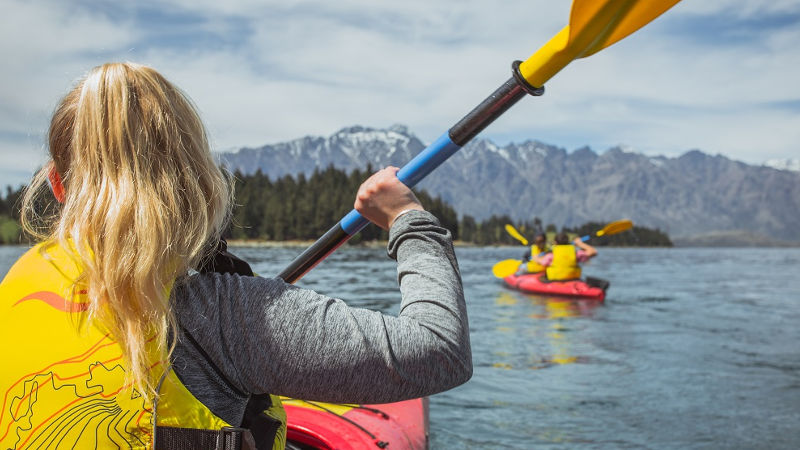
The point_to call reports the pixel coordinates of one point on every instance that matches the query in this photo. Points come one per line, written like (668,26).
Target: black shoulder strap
(261,426)
(170,438)
(223,261)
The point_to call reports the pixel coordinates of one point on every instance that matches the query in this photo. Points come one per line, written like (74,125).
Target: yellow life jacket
(533,265)
(63,380)
(565,263)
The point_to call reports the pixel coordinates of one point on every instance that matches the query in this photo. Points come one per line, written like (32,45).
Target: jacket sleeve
(266,336)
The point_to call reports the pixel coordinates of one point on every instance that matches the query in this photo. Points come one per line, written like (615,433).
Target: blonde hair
(144,201)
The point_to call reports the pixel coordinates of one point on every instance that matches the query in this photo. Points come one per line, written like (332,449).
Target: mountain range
(691,197)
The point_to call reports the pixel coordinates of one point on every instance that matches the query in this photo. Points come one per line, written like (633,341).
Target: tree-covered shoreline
(300,208)
(9,216)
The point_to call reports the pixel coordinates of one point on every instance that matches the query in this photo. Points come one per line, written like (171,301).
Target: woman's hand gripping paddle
(593,26)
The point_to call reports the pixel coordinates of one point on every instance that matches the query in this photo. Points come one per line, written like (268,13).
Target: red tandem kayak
(317,425)
(536,283)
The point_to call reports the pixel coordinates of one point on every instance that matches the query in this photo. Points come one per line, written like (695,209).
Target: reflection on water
(542,318)
(684,353)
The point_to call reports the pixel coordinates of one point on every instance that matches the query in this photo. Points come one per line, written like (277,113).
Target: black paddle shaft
(493,107)
(462,132)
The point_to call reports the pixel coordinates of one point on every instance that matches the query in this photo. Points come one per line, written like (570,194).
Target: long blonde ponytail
(144,199)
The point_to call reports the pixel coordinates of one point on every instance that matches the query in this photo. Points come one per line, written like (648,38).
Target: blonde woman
(111,340)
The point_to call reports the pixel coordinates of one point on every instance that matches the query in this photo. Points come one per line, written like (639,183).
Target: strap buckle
(230,438)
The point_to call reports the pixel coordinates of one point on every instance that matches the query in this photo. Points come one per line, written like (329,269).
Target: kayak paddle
(516,234)
(593,26)
(613,228)
(506,267)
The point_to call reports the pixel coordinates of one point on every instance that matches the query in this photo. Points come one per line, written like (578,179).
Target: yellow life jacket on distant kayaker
(565,263)
(533,265)
(63,380)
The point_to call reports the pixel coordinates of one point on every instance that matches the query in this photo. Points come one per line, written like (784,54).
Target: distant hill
(733,238)
(689,197)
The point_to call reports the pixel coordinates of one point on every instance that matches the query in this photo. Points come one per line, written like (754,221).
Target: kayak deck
(318,425)
(534,283)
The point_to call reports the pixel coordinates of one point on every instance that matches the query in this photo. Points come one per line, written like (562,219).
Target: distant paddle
(506,267)
(509,266)
(612,228)
(593,26)
(516,234)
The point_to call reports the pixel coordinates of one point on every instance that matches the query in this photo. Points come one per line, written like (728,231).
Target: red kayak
(537,283)
(328,426)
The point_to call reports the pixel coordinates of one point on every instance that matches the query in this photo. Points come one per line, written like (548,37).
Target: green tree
(9,230)
(468,229)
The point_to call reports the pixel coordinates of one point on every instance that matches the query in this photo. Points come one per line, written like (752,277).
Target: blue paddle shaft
(418,168)
(410,174)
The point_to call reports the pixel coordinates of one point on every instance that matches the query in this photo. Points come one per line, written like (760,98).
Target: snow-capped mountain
(784,164)
(347,149)
(693,194)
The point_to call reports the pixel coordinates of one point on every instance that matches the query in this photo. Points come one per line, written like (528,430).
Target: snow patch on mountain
(784,164)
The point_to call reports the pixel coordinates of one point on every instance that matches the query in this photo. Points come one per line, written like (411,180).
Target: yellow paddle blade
(593,26)
(616,227)
(639,15)
(516,234)
(505,268)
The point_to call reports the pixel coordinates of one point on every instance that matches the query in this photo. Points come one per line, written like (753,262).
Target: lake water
(693,348)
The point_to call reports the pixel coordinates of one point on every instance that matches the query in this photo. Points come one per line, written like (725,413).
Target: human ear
(56,185)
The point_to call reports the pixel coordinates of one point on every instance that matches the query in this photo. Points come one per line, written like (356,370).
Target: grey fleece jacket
(246,335)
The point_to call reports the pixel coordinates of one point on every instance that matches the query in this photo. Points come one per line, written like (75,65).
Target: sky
(720,76)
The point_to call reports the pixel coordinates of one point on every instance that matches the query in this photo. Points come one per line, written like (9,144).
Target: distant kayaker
(530,260)
(563,262)
(111,339)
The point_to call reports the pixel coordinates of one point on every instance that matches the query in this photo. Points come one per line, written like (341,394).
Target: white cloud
(266,71)
(46,46)
(739,8)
